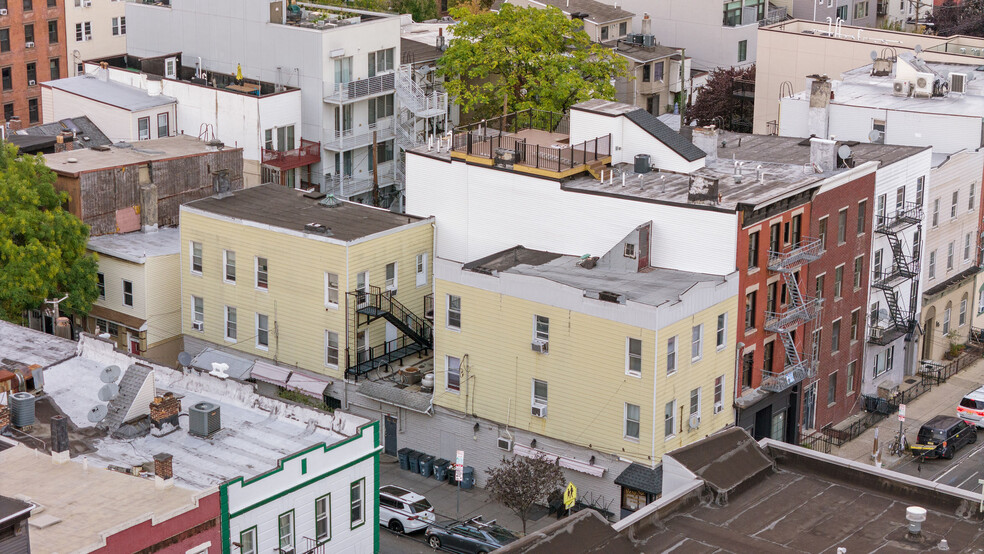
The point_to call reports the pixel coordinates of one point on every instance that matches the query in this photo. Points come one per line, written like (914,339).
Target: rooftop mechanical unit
(203,419)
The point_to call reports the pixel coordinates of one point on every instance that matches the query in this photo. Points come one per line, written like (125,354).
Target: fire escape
(373,304)
(423,107)
(800,310)
(904,268)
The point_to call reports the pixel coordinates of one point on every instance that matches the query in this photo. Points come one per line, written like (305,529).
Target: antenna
(184,359)
(110,374)
(97,413)
(108,392)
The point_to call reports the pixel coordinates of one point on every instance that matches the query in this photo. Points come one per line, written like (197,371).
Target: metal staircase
(373,304)
(901,320)
(422,102)
(801,309)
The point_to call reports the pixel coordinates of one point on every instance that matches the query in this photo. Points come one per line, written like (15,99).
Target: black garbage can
(426,465)
(467,477)
(404,455)
(414,458)
(441,469)
(451,474)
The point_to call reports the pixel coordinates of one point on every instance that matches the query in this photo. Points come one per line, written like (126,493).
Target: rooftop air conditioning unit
(31,83)
(505,444)
(540,346)
(28,45)
(204,419)
(923,85)
(958,82)
(900,88)
(539,410)
(198,325)
(694,421)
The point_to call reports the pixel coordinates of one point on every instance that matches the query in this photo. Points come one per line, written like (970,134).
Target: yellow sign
(570,495)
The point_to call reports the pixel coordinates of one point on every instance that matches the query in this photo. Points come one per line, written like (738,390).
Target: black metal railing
(541,120)
(511,150)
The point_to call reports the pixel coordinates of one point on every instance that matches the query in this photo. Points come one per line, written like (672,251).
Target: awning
(562,461)
(275,375)
(308,384)
(239,366)
(641,478)
(292,379)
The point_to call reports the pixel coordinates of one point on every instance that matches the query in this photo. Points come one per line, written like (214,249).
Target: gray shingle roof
(86,132)
(130,384)
(642,478)
(673,140)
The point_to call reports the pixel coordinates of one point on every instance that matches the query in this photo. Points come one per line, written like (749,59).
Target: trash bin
(451,475)
(404,456)
(467,477)
(414,458)
(441,469)
(426,465)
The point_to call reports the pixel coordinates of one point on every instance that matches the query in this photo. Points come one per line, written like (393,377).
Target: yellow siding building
(279,274)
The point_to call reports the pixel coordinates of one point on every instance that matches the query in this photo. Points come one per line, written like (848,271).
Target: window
(391,276)
(196,257)
(858,268)
(915,245)
(750,310)
(229,261)
(382,154)
(695,402)
(163,129)
(101,281)
(932,264)
(770,298)
(936,212)
(822,232)
(29,33)
(860,9)
(127,293)
(539,392)
(647,73)
(797,226)
(452,371)
(949,256)
(873,317)
(946,318)
(774,239)
(8,84)
(810,406)
(261,273)
(719,394)
(747,364)
(54,68)
(380,61)
(632,417)
(230,323)
(838,281)
(604,32)
(920,185)
(832,389)
(322,518)
(53,31)
(629,250)
(331,349)
(658,73)
(197,309)
(379,108)
(541,328)
(671,355)
(32,110)
(268,139)
(285,530)
(971,197)
(28,5)
(880,210)
(855,323)
(835,332)
(669,419)
(52,3)
(851,371)
(819,286)
(119,26)
(963,311)
(454,312)
(421,269)
(742,50)
(143,128)
(768,353)
(331,290)
(862,212)
(262,331)
(696,342)
(343,70)
(247,539)
(953,203)
(4,40)
(841,226)
(623,28)
(722,331)
(753,250)
(842,12)
(32,73)
(966,247)
(633,356)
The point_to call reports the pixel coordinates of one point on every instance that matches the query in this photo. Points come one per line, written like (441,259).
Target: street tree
(964,18)
(521,483)
(42,246)
(717,103)
(519,58)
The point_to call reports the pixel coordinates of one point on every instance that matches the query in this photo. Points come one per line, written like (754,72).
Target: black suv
(943,435)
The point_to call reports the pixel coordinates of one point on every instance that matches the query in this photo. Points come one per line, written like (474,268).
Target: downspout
(652,456)
(433,262)
(348,336)
(739,348)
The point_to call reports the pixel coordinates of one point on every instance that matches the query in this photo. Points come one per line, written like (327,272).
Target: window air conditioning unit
(958,82)
(198,325)
(28,45)
(539,410)
(505,444)
(900,88)
(31,83)
(540,346)
(87,4)
(3,11)
(877,332)
(718,406)
(694,421)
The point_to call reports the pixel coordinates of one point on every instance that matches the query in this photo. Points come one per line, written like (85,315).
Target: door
(644,246)
(389,435)
(763,423)
(134,343)
(362,346)
(391,336)
(361,288)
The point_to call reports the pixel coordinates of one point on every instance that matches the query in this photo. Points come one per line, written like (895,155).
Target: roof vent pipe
(915,516)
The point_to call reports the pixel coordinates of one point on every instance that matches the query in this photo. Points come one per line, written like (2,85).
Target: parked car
(469,537)
(403,511)
(971,408)
(943,435)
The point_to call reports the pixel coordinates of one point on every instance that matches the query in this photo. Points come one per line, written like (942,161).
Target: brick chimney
(148,207)
(59,439)
(59,144)
(163,473)
(706,138)
(4,416)
(165,409)
(818,115)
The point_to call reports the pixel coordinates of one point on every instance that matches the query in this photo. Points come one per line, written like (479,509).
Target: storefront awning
(275,375)
(562,461)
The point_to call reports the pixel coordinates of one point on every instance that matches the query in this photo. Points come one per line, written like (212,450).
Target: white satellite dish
(874,55)
(110,374)
(97,413)
(844,152)
(108,392)
(184,359)
(874,135)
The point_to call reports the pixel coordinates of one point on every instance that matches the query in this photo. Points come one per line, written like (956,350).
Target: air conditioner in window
(198,325)
(539,346)
(505,444)
(694,421)
(87,4)
(31,83)
(539,410)
(3,11)
(877,332)
(718,406)
(28,45)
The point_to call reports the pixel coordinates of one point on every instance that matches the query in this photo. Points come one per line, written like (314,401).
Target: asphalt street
(963,471)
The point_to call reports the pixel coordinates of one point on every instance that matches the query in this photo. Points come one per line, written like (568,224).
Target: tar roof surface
(122,154)
(138,246)
(28,346)
(792,150)
(598,12)
(641,53)
(724,460)
(290,209)
(87,134)
(110,92)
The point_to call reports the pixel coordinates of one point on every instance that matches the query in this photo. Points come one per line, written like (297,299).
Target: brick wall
(21,94)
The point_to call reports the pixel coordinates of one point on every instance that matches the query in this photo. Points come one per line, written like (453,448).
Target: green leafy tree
(520,483)
(523,58)
(419,10)
(42,247)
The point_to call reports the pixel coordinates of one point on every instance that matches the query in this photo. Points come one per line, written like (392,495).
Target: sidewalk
(941,399)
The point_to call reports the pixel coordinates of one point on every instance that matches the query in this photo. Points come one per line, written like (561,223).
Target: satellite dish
(918,49)
(97,413)
(874,135)
(109,392)
(184,359)
(844,152)
(874,55)
(110,374)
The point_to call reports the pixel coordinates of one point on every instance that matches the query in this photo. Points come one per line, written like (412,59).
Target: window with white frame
(630,250)
(946,318)
(949,256)
(633,356)
(331,290)
(421,269)
(285,530)
(452,371)
(357,511)
(539,392)
(721,338)
(331,348)
(83,31)
(632,417)
(322,518)
(671,355)
(932,264)
(197,309)
(230,323)
(261,273)
(669,419)
(119,26)
(196,257)
(541,328)
(719,394)
(696,342)
(454,312)
(967,247)
(953,203)
(963,312)
(391,276)
(381,61)
(972,197)
(262,331)
(127,293)
(101,283)
(695,402)
(229,261)
(247,541)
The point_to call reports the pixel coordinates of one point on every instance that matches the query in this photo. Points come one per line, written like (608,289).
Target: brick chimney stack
(165,409)
(59,439)
(163,472)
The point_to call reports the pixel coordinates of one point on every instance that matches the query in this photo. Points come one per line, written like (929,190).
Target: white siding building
(95,29)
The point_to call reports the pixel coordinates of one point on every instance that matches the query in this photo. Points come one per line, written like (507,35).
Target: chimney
(703,190)
(68,139)
(823,154)
(4,416)
(647,24)
(148,207)
(706,138)
(163,472)
(165,409)
(59,143)
(440,39)
(59,439)
(14,123)
(819,106)
(103,72)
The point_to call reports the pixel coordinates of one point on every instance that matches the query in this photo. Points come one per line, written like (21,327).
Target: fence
(541,120)
(508,150)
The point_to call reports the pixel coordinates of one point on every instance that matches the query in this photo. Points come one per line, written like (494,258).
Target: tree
(521,58)
(42,247)
(419,10)
(521,482)
(965,18)
(717,103)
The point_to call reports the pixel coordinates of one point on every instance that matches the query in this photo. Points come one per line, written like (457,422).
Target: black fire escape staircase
(904,269)
(799,311)
(373,304)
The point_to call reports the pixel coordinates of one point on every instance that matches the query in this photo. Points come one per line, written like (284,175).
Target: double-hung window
(322,518)
(380,61)
(101,282)
(697,342)
(331,349)
(197,309)
(331,290)
(262,331)
(632,417)
(285,531)
(229,260)
(452,366)
(230,323)
(721,338)
(671,355)
(719,394)
(539,392)
(633,356)
(454,312)
(127,293)
(669,419)
(357,509)
(196,258)
(541,328)
(261,273)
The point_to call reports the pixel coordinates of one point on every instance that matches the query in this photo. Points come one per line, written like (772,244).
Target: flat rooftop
(324,17)
(125,153)
(22,344)
(292,209)
(136,247)
(653,286)
(110,92)
(595,12)
(77,503)
(644,54)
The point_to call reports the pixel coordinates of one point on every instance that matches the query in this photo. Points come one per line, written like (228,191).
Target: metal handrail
(353,90)
(806,250)
(910,214)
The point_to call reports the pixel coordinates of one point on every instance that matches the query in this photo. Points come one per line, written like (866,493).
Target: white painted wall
(628,139)
(116,123)
(100,14)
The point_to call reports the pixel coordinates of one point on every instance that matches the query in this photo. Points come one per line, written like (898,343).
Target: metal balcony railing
(361,136)
(347,186)
(910,214)
(888,280)
(422,101)
(787,320)
(340,93)
(882,335)
(308,153)
(808,249)
(789,376)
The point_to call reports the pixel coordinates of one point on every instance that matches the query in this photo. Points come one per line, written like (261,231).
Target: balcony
(789,376)
(347,186)
(790,319)
(307,154)
(339,141)
(888,280)
(343,93)
(805,251)
(883,335)
(910,214)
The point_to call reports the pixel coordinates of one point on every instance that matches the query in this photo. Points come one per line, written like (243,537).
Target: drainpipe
(739,348)
(652,457)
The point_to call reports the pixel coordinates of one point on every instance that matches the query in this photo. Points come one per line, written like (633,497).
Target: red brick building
(32,50)
(177,534)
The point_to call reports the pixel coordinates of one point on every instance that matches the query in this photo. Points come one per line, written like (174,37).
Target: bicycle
(899,445)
